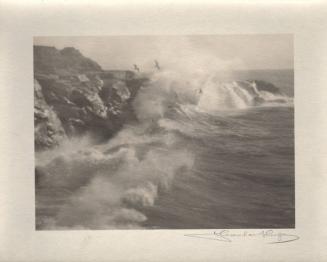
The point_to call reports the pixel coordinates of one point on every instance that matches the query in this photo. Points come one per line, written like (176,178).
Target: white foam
(109,183)
(109,186)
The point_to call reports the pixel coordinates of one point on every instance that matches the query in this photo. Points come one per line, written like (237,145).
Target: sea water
(207,151)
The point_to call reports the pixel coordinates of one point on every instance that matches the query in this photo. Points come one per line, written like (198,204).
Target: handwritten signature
(269,236)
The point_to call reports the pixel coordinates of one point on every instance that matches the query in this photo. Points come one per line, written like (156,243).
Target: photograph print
(164,132)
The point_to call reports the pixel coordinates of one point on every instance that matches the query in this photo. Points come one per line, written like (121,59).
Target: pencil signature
(269,236)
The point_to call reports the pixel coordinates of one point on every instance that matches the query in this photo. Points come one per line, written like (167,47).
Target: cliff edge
(73,95)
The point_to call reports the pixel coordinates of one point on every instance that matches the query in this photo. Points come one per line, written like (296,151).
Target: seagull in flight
(136,68)
(156,64)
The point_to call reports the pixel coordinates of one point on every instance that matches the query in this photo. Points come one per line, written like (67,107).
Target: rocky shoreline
(73,96)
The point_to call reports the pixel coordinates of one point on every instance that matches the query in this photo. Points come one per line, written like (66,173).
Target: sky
(230,52)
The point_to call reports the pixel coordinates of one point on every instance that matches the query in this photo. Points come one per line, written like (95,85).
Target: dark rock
(48,127)
(73,95)
(49,60)
(266,86)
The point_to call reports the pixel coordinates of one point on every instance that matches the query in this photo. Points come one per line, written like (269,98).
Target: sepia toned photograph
(164,132)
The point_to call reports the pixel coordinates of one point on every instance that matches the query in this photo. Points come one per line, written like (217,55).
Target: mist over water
(204,153)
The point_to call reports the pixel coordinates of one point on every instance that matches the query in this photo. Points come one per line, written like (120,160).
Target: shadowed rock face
(73,95)
(48,127)
(265,86)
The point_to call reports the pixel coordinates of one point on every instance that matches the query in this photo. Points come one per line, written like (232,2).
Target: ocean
(207,151)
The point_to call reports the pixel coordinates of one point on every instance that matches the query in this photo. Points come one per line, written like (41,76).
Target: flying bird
(156,64)
(136,68)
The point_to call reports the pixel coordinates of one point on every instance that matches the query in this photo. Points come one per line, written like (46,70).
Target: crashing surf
(107,185)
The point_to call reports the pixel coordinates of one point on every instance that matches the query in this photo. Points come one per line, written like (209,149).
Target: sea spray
(107,184)
(82,185)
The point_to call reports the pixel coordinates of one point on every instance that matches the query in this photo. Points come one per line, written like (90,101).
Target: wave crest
(109,185)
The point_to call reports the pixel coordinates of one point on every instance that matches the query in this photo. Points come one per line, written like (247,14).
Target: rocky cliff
(74,96)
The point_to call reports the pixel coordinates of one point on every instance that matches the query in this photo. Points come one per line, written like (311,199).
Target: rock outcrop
(74,95)
(68,61)
(48,127)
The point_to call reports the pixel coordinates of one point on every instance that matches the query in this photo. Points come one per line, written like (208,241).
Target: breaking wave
(81,185)
(206,93)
